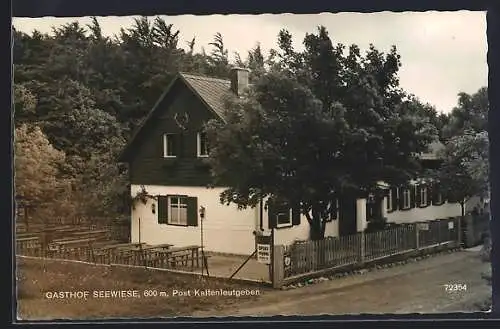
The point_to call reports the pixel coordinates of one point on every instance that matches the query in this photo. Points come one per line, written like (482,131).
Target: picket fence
(335,252)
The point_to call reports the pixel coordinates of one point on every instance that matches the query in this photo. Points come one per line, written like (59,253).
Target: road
(417,287)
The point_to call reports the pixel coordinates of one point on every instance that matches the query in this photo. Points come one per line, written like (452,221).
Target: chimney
(239,80)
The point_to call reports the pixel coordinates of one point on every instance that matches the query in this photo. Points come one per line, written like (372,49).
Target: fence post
(459,230)
(278,266)
(362,251)
(439,232)
(417,239)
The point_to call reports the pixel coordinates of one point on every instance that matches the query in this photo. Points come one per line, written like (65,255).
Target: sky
(442,53)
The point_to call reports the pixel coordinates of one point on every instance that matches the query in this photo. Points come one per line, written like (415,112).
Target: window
(283,215)
(423,196)
(177,210)
(202,144)
(169,145)
(406,198)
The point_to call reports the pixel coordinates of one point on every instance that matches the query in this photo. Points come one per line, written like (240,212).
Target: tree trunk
(317,225)
(317,232)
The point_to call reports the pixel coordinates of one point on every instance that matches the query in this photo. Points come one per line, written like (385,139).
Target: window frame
(198,145)
(169,210)
(423,196)
(290,217)
(165,146)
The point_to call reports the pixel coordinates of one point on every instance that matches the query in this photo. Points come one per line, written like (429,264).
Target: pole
(139,231)
(271,266)
(241,266)
(201,243)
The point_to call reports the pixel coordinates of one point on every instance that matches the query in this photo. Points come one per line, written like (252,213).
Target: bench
(182,255)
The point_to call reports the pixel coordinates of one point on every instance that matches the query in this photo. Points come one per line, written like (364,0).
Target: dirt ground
(417,287)
(41,281)
(226,265)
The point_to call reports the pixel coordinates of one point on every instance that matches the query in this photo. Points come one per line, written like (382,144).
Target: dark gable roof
(211,91)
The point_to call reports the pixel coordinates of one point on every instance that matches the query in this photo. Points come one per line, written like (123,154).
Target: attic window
(202,144)
(169,143)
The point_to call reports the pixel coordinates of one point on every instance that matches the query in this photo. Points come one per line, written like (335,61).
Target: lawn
(52,289)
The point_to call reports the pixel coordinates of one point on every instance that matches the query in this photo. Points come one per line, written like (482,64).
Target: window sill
(423,206)
(182,225)
(202,156)
(169,156)
(288,225)
(405,209)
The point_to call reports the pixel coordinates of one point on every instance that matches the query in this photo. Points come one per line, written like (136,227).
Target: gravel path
(417,287)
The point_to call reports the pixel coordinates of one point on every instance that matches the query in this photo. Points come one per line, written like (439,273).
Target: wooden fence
(335,252)
(118,231)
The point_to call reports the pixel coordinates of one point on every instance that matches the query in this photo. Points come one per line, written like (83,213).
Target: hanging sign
(263,249)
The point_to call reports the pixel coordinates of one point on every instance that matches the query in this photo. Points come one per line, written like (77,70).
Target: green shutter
(429,195)
(162,209)
(412,195)
(334,209)
(395,199)
(271,215)
(435,194)
(296,215)
(401,198)
(192,211)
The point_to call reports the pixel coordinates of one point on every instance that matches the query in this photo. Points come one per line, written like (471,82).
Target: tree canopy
(317,124)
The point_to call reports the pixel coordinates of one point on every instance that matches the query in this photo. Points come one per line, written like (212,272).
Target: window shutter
(395,199)
(435,193)
(401,199)
(418,195)
(412,195)
(192,211)
(296,215)
(334,210)
(429,195)
(162,209)
(271,215)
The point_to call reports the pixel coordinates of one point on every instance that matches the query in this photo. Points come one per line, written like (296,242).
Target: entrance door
(347,218)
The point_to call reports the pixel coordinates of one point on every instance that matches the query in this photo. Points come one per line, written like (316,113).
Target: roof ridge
(203,77)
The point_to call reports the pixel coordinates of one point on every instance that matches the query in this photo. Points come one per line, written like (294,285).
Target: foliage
(87,92)
(36,169)
(465,170)
(306,122)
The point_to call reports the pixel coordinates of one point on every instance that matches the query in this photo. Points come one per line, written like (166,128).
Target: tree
(24,104)
(309,131)
(218,59)
(36,169)
(470,114)
(465,169)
